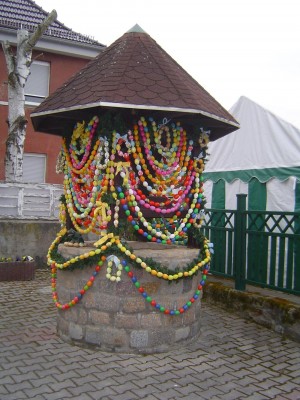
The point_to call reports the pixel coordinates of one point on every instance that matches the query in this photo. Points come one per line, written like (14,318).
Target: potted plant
(22,269)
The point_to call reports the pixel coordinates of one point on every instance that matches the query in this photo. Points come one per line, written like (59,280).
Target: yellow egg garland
(202,265)
(149,162)
(138,260)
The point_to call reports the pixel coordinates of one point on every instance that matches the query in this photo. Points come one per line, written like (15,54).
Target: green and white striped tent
(261,159)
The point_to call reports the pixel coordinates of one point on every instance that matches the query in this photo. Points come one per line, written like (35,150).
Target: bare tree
(18,64)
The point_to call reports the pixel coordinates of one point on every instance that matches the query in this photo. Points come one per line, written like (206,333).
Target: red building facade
(58,55)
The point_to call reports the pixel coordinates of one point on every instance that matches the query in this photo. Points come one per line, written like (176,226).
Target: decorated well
(130,315)
(130,261)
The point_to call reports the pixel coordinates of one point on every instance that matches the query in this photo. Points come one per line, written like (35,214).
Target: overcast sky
(232,48)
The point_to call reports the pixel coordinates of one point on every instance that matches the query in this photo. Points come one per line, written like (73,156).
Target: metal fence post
(240,243)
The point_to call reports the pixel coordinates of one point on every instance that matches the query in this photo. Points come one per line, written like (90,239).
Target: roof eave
(137,107)
(57,45)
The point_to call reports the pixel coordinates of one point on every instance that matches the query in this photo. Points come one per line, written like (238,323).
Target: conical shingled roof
(135,73)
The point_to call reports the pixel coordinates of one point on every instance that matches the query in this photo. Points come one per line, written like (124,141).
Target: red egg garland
(135,282)
(81,293)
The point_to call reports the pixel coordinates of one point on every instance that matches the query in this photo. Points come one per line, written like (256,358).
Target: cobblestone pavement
(232,359)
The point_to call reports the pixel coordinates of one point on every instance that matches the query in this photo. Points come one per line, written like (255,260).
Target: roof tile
(26,14)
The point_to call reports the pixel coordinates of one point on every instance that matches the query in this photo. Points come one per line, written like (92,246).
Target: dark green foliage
(73,237)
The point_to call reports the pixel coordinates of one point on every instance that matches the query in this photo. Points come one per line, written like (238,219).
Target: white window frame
(44,165)
(31,92)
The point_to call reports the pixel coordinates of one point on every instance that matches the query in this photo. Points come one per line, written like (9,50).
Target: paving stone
(80,390)
(145,392)
(44,389)
(196,396)
(281,379)
(210,393)
(128,395)
(294,395)
(287,387)
(249,390)
(83,396)
(232,359)
(19,395)
(233,395)
(103,384)
(6,380)
(103,394)
(59,395)
(24,377)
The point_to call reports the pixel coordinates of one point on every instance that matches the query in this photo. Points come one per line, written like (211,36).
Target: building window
(37,85)
(34,168)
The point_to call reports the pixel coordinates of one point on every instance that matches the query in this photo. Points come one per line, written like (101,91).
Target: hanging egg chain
(158,306)
(166,177)
(163,185)
(82,196)
(80,294)
(178,191)
(83,137)
(84,190)
(202,265)
(88,160)
(156,235)
(118,141)
(170,156)
(178,198)
(158,131)
(135,282)
(110,240)
(141,164)
(79,200)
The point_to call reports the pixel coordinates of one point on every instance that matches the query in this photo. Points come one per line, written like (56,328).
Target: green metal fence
(255,247)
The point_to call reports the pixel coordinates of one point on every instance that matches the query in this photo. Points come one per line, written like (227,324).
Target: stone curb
(277,314)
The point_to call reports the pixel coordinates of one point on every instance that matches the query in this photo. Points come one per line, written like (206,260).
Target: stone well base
(115,317)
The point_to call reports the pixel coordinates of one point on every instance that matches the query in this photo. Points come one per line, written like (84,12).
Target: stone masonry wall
(27,237)
(116,317)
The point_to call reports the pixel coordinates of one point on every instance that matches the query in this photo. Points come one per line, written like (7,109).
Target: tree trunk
(18,67)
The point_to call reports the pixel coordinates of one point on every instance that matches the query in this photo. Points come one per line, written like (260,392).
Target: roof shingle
(135,72)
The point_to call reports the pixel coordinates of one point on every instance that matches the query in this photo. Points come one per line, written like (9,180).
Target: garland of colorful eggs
(149,171)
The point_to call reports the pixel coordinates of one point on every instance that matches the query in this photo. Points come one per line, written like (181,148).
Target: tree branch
(41,28)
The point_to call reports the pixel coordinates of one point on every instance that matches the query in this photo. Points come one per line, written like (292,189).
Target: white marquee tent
(261,159)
